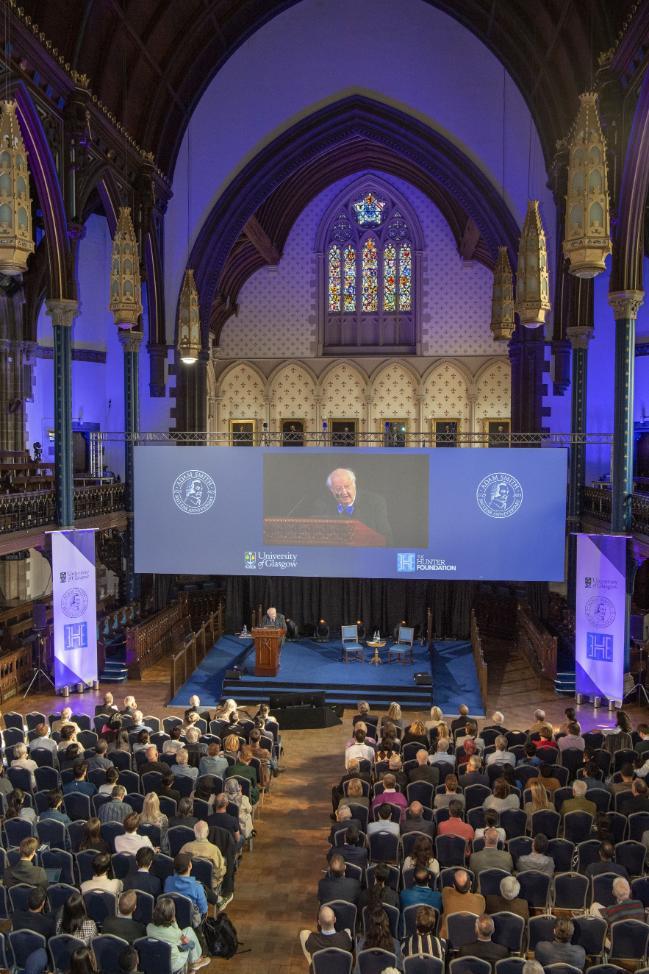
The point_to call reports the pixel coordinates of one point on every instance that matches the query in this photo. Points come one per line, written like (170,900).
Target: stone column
(625,305)
(420,399)
(369,417)
(218,416)
(317,402)
(130,342)
(472,396)
(63,311)
(527,356)
(579,336)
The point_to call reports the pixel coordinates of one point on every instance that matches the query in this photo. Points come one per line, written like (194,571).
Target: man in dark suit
(335,885)
(142,879)
(497,725)
(152,763)
(460,722)
(636,800)
(352,850)
(358,505)
(483,946)
(474,775)
(353,771)
(415,821)
(123,925)
(25,871)
(34,917)
(424,771)
(273,619)
(606,853)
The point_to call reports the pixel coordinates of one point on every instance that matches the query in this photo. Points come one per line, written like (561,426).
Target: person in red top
(545,739)
(454,824)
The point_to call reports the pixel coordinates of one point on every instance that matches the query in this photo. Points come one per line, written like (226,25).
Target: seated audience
(451,793)
(539,723)
(377,933)
(21,760)
(501,755)
(91,837)
(25,872)
(80,784)
(561,950)
(201,848)
(441,758)
(572,741)
(101,880)
(142,878)
(383,822)
(415,734)
(537,859)
(483,946)
(54,813)
(35,917)
(606,862)
(185,946)
(415,821)
(123,925)
(422,856)
(183,882)
(491,819)
(424,771)
(116,810)
(458,898)
(508,899)
(354,794)
(131,841)
(578,802)
(74,920)
(454,825)
(491,857)
(390,795)
(624,907)
(380,892)
(326,935)
(335,885)
(474,775)
(503,798)
(359,751)
(420,892)
(424,941)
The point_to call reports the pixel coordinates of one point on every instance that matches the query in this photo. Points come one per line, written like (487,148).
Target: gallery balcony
(26,517)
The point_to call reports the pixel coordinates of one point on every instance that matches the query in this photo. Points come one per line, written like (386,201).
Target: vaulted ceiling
(150,60)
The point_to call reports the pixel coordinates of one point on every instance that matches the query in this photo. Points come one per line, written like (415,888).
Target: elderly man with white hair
(508,899)
(501,755)
(579,802)
(195,708)
(539,723)
(624,907)
(65,720)
(201,848)
(350,500)
(326,935)
(483,946)
(441,755)
(21,760)
(497,723)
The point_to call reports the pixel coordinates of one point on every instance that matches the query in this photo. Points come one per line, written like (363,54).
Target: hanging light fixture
(189,323)
(532,285)
(587,239)
(125,287)
(502,299)
(16,240)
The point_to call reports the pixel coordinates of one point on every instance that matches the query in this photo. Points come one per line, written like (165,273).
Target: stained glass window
(370,275)
(389,277)
(369,210)
(405,277)
(349,279)
(334,278)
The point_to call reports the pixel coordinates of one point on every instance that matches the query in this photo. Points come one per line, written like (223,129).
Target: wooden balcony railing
(478,658)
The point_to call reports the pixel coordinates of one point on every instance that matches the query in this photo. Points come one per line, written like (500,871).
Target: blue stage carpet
(308,666)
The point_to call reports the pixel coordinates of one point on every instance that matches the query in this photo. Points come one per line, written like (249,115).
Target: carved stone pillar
(218,416)
(420,399)
(317,402)
(63,311)
(625,305)
(157,360)
(369,414)
(472,396)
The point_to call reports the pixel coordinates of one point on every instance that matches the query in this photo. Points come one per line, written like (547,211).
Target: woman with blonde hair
(394,714)
(415,734)
(231,746)
(355,794)
(151,814)
(539,800)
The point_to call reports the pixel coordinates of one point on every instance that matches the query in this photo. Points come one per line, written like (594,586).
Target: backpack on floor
(220,936)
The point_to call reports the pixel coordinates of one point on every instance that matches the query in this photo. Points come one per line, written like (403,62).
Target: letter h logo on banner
(599,646)
(75,635)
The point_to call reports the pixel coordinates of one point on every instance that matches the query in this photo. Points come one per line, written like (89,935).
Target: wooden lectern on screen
(321,532)
(268,646)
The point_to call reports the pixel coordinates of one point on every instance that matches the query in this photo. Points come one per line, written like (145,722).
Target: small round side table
(376,645)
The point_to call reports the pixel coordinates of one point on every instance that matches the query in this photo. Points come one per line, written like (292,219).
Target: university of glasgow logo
(74,603)
(406,561)
(600,612)
(250,559)
(499,495)
(194,492)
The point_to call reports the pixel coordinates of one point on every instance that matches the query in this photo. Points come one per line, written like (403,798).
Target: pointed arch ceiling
(169,52)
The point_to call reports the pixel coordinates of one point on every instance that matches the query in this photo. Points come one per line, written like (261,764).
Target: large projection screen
(369,513)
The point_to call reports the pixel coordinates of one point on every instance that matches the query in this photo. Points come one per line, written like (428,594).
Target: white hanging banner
(600,602)
(75,607)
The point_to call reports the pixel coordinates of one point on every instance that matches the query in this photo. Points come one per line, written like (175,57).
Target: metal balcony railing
(22,512)
(596,502)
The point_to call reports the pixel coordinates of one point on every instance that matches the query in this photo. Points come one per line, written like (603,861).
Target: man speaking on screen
(348,500)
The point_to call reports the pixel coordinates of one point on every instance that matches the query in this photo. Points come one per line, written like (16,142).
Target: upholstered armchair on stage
(402,649)
(352,649)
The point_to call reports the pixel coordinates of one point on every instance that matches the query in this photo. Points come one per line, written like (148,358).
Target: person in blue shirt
(80,783)
(182,882)
(54,813)
(421,894)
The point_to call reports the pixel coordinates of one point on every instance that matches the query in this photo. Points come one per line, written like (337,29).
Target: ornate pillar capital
(130,340)
(626,304)
(62,311)
(580,335)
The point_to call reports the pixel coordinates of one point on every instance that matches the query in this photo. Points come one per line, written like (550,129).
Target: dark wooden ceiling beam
(261,241)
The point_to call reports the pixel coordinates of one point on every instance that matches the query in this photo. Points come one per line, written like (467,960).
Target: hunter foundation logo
(194,492)
(499,495)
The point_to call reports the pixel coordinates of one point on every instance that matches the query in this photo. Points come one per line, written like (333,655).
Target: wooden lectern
(321,532)
(268,646)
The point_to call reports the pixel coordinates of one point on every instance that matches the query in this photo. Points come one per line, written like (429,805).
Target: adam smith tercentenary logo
(194,492)
(600,612)
(74,603)
(499,495)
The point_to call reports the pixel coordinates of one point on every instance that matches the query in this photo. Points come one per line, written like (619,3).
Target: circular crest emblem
(74,603)
(600,612)
(499,495)
(194,492)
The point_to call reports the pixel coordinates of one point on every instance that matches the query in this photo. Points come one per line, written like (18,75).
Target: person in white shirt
(100,879)
(182,768)
(441,755)
(360,750)
(131,841)
(22,761)
(43,740)
(501,755)
(572,740)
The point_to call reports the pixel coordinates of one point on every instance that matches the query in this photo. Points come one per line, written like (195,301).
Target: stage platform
(308,666)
